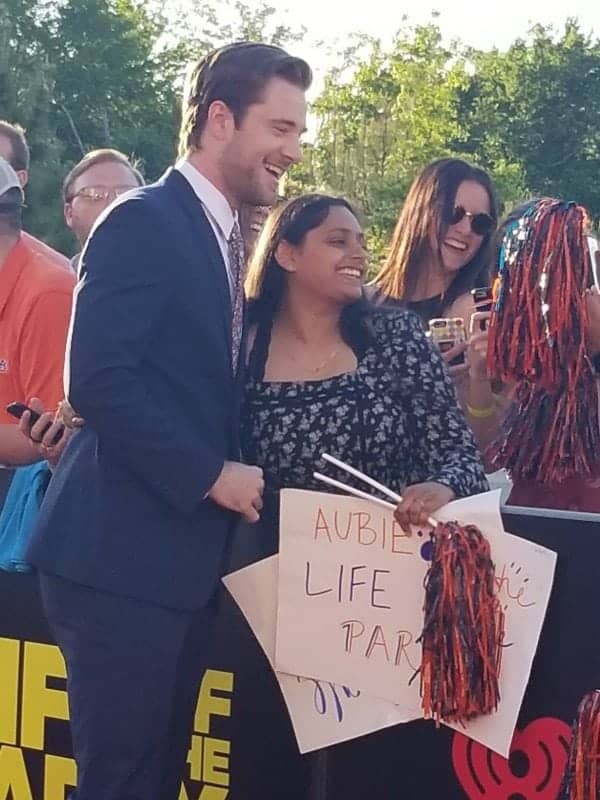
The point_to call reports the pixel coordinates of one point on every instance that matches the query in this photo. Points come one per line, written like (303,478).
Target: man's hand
(239,488)
(68,416)
(48,434)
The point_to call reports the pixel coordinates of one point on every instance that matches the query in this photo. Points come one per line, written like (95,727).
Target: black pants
(133,675)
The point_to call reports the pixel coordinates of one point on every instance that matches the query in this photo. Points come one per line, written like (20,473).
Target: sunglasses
(481,224)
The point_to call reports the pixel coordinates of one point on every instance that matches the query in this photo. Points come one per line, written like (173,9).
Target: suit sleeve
(121,300)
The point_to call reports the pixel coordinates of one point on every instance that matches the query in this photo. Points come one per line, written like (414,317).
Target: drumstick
(357,492)
(362,477)
(370,481)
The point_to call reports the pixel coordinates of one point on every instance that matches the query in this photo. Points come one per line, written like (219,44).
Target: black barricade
(243,748)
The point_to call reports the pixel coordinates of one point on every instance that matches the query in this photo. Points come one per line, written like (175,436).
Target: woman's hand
(419,502)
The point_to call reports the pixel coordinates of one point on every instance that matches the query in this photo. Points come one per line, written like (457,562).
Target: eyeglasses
(481,224)
(101,193)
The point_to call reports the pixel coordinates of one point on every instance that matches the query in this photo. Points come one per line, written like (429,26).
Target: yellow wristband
(481,413)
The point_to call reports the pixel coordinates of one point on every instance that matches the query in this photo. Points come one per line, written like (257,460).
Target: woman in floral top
(329,374)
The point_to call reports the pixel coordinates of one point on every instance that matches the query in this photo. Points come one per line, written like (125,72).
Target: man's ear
(220,121)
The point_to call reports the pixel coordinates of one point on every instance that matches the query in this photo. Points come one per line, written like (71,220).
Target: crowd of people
(221,339)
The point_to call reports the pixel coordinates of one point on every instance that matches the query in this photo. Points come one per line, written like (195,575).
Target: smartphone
(483,299)
(18,409)
(447,332)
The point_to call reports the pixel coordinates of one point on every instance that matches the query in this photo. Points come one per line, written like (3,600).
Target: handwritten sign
(322,713)
(350,600)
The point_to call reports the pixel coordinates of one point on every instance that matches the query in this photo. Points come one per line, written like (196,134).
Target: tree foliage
(530,116)
(80,74)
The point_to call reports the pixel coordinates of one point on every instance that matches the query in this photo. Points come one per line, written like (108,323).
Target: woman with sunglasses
(440,252)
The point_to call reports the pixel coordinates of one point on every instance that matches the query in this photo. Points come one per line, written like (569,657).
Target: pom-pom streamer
(463,629)
(582,776)
(537,344)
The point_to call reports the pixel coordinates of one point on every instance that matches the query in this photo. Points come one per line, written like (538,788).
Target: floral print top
(396,418)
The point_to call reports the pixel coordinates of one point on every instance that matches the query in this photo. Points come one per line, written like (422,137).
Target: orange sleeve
(42,348)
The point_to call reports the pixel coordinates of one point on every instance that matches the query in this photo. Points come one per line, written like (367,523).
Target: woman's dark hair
(266,280)
(423,220)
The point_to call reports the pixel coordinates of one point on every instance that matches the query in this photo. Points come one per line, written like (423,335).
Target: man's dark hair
(19,149)
(237,75)
(11,210)
(103,156)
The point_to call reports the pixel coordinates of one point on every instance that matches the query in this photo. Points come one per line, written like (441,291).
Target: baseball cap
(8,179)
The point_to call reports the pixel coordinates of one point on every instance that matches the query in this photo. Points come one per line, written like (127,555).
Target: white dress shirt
(220,214)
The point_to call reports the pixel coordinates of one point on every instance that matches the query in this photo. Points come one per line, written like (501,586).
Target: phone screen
(446,333)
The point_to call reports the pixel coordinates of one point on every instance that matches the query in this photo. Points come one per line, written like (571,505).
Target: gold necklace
(321,366)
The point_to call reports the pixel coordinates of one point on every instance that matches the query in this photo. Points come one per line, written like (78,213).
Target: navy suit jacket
(149,368)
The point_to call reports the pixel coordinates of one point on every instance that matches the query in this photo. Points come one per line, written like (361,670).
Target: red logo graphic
(534,771)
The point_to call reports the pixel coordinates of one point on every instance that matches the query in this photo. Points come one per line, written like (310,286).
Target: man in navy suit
(135,525)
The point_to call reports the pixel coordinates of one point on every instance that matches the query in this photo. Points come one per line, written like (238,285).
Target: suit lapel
(207,244)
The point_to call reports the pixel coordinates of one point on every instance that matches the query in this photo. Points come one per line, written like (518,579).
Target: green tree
(190,28)
(530,116)
(108,73)
(535,110)
(30,103)
(110,90)
(383,116)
